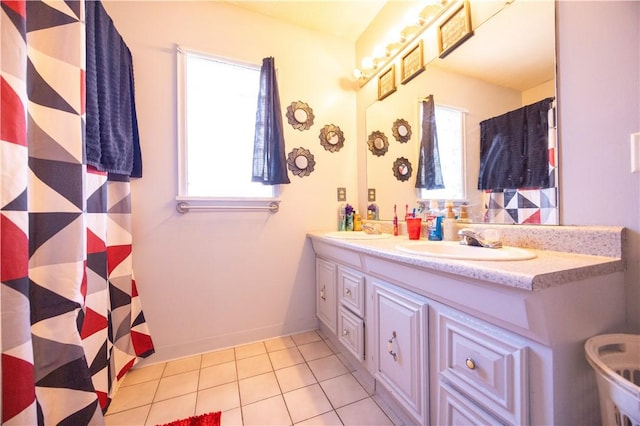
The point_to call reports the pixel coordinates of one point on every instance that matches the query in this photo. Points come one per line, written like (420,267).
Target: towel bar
(184,207)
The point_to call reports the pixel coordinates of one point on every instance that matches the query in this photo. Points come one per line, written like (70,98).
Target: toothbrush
(395,221)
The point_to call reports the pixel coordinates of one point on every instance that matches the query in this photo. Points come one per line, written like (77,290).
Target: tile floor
(292,380)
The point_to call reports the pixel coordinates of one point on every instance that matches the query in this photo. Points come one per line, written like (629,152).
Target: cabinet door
(351,332)
(326,301)
(400,353)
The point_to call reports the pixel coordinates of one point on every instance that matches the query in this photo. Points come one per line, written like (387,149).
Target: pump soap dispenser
(450,226)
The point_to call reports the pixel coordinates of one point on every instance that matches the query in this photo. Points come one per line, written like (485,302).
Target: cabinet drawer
(486,365)
(351,290)
(455,409)
(351,332)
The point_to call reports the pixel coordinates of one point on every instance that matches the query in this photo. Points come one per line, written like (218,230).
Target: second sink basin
(355,235)
(454,250)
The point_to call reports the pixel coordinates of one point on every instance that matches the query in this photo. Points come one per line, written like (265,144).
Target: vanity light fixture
(416,24)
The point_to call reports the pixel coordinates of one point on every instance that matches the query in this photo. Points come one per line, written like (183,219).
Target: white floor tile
(182,365)
(217,375)
(253,366)
(172,409)
(307,402)
(257,388)
(327,367)
(363,413)
(315,350)
(135,416)
(231,417)
(285,358)
(133,396)
(326,419)
(218,398)
(249,350)
(304,338)
(176,385)
(218,357)
(272,411)
(343,390)
(295,377)
(144,374)
(279,343)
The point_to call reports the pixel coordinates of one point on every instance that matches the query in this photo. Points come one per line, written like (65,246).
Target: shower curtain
(71,319)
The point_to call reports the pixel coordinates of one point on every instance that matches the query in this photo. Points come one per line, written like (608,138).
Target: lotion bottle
(434,222)
(449,225)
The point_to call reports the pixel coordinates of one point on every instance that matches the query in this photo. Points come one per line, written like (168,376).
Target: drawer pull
(322,294)
(471,364)
(345,332)
(390,346)
(347,292)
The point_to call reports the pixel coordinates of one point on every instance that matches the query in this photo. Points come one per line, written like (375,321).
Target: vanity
(455,341)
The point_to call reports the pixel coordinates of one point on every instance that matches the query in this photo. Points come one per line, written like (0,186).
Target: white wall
(210,280)
(599,107)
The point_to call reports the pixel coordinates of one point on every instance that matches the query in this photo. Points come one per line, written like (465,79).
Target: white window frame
(224,203)
(444,194)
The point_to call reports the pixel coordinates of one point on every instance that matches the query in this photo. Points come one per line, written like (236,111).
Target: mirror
(507,63)
(300,115)
(301,162)
(402,169)
(331,138)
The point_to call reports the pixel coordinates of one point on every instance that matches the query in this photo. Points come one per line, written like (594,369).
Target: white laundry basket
(616,360)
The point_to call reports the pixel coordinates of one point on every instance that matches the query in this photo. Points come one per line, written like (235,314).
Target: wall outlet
(371,195)
(635,152)
(342,194)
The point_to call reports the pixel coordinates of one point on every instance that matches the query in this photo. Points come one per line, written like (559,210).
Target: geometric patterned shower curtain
(71,320)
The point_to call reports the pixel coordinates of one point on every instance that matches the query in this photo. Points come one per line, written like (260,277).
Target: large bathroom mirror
(508,63)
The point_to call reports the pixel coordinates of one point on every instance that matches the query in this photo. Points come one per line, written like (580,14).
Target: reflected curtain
(269,159)
(71,319)
(429,172)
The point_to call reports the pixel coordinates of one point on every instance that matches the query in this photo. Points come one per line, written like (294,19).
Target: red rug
(209,419)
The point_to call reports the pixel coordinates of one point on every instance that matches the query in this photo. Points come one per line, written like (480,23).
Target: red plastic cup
(414,225)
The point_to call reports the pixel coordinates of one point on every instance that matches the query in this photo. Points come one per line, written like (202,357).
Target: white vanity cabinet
(399,349)
(326,300)
(451,343)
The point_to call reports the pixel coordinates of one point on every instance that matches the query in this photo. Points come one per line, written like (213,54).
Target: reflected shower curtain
(71,319)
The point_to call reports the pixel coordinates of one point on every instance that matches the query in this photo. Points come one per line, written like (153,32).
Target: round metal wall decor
(300,115)
(378,143)
(402,169)
(331,138)
(401,130)
(301,162)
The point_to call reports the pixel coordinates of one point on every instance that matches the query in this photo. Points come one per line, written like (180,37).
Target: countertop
(549,268)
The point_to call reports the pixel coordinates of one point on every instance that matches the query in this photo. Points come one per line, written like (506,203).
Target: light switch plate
(635,152)
(342,194)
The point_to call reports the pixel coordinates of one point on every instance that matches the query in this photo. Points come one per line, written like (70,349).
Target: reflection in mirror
(507,64)
(402,169)
(401,130)
(378,143)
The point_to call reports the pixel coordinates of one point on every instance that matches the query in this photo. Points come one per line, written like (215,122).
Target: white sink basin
(454,250)
(355,235)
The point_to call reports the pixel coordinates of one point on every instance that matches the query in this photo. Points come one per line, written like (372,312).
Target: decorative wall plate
(300,115)
(378,143)
(331,138)
(401,130)
(300,161)
(402,169)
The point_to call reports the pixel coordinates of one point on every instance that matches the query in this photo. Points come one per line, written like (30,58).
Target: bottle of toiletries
(350,221)
(463,217)
(434,222)
(357,222)
(342,218)
(396,231)
(450,225)
(372,211)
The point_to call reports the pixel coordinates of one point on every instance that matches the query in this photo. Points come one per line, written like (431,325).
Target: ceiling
(346,19)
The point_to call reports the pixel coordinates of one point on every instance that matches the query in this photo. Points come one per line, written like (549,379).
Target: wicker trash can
(616,361)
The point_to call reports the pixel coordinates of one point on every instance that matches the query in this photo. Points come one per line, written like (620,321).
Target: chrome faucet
(469,237)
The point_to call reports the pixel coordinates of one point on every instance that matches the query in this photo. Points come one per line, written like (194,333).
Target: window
(450,125)
(217,101)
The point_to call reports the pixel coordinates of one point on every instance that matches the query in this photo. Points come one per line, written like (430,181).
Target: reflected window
(217,102)
(450,125)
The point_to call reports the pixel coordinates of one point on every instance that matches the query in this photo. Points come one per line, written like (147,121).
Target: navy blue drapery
(429,173)
(269,160)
